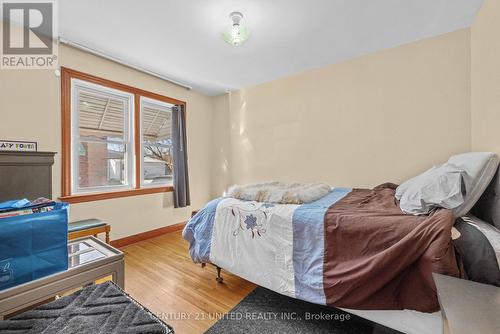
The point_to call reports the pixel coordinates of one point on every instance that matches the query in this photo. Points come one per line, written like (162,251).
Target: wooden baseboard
(147,235)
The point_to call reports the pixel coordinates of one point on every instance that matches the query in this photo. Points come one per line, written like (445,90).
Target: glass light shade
(236,34)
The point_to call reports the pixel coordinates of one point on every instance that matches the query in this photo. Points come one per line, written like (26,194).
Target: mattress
(353,248)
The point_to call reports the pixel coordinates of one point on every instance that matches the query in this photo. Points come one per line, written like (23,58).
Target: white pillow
(481,168)
(441,186)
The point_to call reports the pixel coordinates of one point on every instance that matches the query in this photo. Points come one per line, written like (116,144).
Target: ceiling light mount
(236,17)
(237,33)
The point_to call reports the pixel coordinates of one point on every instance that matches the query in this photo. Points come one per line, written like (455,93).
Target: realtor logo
(28,35)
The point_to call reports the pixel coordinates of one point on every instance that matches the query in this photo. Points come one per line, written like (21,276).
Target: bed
(352,249)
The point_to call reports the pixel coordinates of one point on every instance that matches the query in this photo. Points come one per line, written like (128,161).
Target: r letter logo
(28,35)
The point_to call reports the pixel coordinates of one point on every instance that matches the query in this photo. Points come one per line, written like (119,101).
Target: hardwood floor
(160,275)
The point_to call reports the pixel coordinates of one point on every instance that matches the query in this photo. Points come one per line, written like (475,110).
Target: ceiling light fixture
(236,34)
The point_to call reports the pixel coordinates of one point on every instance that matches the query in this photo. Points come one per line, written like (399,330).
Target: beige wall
(30,110)
(485,78)
(221,176)
(381,117)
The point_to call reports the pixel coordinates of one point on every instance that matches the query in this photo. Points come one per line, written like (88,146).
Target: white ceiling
(182,39)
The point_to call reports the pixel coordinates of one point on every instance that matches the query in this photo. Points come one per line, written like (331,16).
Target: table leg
(119,275)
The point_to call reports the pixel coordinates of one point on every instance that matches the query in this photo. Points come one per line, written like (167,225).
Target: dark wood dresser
(25,175)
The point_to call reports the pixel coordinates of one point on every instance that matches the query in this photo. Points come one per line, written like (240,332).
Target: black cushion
(479,249)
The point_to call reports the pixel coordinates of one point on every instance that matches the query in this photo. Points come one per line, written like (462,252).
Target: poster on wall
(18,146)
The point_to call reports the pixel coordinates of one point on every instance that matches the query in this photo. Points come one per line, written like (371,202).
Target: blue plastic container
(33,246)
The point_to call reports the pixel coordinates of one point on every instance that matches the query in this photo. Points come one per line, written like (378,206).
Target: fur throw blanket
(279,192)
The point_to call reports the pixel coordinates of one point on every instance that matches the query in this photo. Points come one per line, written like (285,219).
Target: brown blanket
(377,257)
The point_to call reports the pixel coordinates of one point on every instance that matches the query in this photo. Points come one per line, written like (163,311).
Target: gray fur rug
(265,311)
(102,308)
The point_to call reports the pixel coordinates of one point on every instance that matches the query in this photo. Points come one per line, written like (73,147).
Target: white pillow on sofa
(441,186)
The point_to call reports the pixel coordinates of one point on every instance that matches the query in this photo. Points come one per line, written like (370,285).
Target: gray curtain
(181,177)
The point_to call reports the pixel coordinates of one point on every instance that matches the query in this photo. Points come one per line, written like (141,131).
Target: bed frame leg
(219,278)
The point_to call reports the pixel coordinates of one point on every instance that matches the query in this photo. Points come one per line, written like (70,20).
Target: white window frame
(128,137)
(141,139)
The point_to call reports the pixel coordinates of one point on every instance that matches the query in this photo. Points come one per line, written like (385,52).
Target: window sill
(116,194)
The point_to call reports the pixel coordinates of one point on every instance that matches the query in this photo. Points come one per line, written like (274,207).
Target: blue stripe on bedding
(198,232)
(308,246)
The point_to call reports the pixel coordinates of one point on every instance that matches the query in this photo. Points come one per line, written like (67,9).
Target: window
(156,133)
(101,134)
(117,140)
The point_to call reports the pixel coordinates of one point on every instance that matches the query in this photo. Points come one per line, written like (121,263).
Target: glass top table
(89,259)
(87,250)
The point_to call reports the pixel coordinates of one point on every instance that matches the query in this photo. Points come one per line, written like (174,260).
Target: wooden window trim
(66,192)
(114,194)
